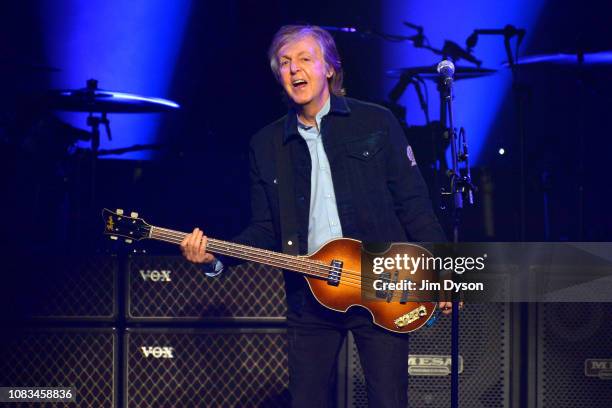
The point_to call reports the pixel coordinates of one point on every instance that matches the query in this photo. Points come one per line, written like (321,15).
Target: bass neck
(299,264)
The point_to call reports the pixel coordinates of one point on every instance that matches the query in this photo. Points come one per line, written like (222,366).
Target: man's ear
(329,70)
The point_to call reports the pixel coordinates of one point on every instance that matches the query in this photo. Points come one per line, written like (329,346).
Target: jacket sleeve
(260,232)
(408,189)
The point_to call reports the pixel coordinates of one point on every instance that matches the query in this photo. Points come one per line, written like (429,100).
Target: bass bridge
(335,271)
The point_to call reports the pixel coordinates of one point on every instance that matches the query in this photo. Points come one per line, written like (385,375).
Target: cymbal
(99,100)
(430,72)
(568,60)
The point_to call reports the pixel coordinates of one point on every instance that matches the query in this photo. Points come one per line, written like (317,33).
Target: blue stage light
(477,101)
(128,46)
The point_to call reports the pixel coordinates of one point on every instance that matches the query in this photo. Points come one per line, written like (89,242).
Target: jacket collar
(338,106)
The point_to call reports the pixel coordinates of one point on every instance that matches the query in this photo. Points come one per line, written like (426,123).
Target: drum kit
(431,141)
(95,101)
(433,138)
(98,103)
(533,64)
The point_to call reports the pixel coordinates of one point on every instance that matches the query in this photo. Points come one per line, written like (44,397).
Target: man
(354,175)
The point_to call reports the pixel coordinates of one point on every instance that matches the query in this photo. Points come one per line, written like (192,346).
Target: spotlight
(501,151)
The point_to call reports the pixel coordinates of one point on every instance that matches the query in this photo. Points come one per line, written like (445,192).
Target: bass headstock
(130,228)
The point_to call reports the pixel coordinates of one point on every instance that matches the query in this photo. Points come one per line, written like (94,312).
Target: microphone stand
(446,95)
(459,185)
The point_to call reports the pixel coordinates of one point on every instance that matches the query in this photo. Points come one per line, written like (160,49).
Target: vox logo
(153,275)
(157,352)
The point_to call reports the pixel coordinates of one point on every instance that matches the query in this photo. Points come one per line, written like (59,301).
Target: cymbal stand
(94,123)
(509,32)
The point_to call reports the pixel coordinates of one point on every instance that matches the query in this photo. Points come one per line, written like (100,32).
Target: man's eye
(284,62)
(305,59)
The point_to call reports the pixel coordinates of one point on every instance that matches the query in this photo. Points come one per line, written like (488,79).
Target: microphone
(446,69)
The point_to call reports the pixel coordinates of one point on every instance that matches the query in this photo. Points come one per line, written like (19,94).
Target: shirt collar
(337,106)
(324,111)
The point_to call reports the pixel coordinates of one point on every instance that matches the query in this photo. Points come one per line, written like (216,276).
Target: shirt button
(327,195)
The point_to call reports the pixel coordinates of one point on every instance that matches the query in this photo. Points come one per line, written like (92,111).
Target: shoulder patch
(410,155)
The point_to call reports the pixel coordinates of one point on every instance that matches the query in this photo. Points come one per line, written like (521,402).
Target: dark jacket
(380,194)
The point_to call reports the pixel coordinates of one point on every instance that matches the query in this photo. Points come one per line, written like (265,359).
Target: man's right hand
(194,247)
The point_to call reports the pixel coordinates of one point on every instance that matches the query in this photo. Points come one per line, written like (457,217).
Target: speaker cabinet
(484,374)
(83,359)
(56,287)
(206,368)
(171,288)
(574,345)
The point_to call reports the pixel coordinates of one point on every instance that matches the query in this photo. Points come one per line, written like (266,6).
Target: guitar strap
(286,194)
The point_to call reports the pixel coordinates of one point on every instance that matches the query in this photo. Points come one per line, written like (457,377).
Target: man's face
(303,72)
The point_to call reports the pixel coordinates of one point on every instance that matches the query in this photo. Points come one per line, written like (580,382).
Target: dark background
(198,175)
(553,183)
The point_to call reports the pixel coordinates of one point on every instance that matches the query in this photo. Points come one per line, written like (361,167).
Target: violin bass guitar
(333,273)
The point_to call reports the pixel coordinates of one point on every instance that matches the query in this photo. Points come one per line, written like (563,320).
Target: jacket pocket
(367,148)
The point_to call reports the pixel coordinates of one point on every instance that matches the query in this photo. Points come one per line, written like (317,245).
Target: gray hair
(290,33)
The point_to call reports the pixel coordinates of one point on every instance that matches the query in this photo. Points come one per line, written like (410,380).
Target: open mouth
(299,84)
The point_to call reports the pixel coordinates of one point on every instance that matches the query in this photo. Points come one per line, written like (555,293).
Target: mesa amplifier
(206,368)
(574,354)
(84,359)
(484,357)
(64,287)
(162,288)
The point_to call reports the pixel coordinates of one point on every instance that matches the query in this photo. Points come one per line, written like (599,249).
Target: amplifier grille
(483,345)
(231,368)
(570,334)
(84,360)
(171,287)
(78,287)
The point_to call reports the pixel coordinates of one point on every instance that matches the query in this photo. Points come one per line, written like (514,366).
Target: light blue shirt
(324,222)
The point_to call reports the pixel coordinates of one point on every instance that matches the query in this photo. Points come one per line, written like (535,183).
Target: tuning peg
(129,241)
(114,237)
(134,214)
(119,211)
